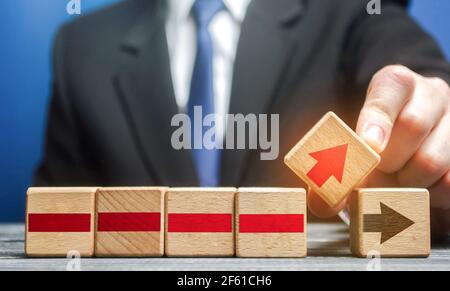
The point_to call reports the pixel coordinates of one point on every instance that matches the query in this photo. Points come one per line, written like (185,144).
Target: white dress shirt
(181,34)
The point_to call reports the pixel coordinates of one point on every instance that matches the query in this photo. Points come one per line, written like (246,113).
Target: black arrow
(389,223)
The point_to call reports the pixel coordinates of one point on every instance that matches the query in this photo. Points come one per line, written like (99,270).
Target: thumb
(389,91)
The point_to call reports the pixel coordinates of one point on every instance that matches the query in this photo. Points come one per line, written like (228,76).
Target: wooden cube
(130,222)
(199,222)
(271,222)
(390,222)
(60,220)
(332,159)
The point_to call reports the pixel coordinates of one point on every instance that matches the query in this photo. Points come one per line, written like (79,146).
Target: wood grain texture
(67,200)
(129,240)
(331,132)
(272,201)
(199,201)
(394,222)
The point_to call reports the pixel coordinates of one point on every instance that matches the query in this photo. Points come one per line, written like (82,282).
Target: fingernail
(374,134)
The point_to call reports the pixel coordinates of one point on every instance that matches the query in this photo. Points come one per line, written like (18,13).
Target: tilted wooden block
(130,222)
(60,220)
(390,222)
(271,222)
(332,159)
(199,222)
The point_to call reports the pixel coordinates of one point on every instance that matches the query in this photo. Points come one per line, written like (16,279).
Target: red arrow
(330,162)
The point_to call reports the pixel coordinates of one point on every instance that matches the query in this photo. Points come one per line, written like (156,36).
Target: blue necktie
(207,161)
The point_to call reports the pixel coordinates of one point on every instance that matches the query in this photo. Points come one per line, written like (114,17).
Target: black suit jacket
(112,102)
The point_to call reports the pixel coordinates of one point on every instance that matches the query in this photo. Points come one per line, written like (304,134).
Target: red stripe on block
(129,221)
(254,223)
(59,222)
(189,222)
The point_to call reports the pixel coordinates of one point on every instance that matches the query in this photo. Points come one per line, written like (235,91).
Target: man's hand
(406,118)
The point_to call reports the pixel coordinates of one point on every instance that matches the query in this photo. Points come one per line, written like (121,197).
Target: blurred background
(27,29)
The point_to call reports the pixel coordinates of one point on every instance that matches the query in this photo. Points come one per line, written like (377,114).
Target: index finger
(389,91)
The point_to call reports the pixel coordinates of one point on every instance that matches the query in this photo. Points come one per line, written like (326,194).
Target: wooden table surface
(327,250)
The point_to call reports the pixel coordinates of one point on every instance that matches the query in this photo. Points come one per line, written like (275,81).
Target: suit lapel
(263,54)
(145,90)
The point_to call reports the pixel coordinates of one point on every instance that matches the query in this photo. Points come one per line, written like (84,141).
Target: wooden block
(199,222)
(130,222)
(390,222)
(60,220)
(332,159)
(271,222)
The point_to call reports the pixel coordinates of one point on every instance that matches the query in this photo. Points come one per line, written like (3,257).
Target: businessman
(122,73)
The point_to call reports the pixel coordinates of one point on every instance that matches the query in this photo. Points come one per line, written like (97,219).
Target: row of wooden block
(153,221)
(215,222)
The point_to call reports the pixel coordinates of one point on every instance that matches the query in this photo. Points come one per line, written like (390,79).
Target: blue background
(27,29)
